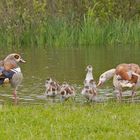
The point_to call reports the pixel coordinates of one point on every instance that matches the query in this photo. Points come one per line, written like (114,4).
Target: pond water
(65,64)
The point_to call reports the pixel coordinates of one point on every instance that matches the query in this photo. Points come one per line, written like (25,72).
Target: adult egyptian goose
(124,75)
(11,72)
(66,91)
(89,91)
(52,88)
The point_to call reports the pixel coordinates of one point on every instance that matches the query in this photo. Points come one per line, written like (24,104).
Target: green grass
(59,33)
(70,121)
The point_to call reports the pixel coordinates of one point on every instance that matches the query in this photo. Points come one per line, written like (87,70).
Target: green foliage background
(63,23)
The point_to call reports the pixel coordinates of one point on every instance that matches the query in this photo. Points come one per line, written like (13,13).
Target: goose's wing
(16,79)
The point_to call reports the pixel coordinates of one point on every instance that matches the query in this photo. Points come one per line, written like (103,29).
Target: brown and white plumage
(52,88)
(89,90)
(66,91)
(11,61)
(10,65)
(124,75)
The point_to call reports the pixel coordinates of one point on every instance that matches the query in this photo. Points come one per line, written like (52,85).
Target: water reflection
(65,64)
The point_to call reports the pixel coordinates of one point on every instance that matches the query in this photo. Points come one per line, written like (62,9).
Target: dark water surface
(65,64)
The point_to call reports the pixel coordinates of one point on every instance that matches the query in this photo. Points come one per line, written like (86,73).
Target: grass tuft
(59,33)
(70,121)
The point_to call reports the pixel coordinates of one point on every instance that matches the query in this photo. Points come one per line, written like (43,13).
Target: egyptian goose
(10,72)
(124,75)
(66,91)
(89,91)
(52,88)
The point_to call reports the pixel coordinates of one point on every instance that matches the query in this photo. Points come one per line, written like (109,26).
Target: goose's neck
(89,75)
(16,70)
(110,73)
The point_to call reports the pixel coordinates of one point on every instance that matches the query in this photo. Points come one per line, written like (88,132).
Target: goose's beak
(100,83)
(22,60)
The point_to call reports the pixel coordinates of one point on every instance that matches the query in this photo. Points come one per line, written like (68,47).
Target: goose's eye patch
(16,56)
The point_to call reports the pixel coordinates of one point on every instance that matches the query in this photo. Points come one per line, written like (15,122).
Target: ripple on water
(38,97)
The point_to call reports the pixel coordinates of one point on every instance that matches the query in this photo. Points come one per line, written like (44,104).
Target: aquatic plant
(57,23)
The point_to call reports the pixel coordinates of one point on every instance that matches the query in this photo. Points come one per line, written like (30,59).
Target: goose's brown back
(124,69)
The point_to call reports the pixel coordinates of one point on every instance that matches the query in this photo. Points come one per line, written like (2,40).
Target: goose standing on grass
(124,75)
(10,72)
(52,88)
(89,91)
(66,91)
